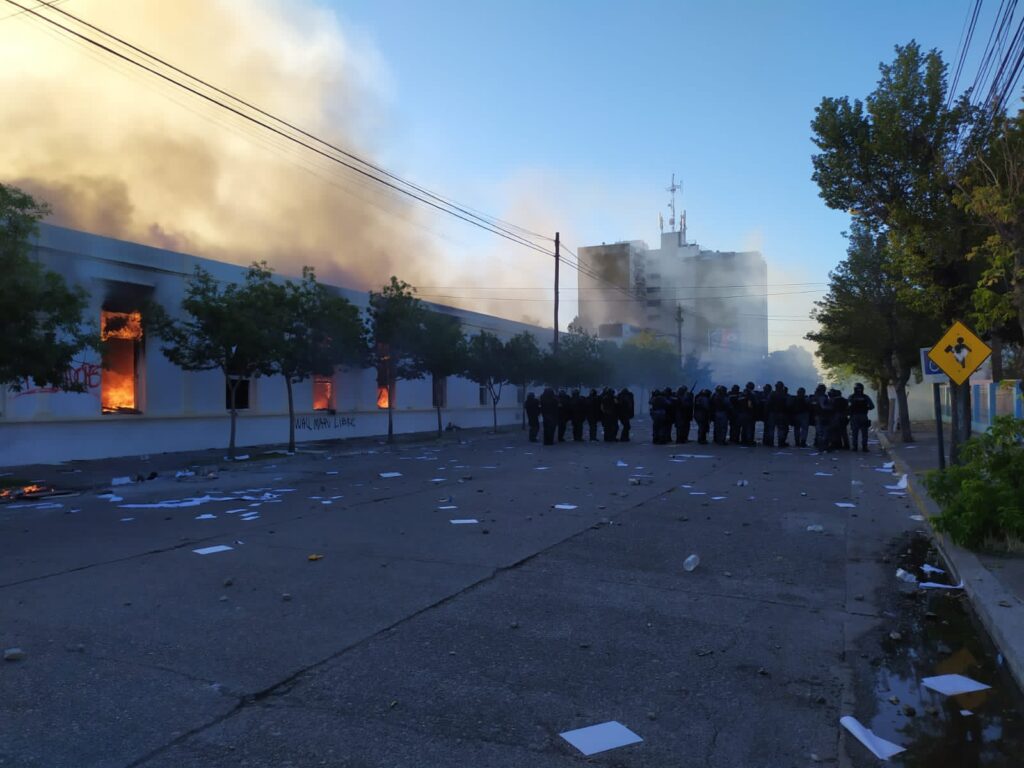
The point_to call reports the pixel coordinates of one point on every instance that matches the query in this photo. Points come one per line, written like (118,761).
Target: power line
(605,301)
(47,3)
(469,218)
(541,288)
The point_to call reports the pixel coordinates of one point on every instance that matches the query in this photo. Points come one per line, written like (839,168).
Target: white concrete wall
(186,411)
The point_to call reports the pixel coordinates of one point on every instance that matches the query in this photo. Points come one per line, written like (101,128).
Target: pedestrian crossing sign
(959,352)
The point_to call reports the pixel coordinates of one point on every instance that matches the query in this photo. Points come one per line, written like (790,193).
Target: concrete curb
(1005,625)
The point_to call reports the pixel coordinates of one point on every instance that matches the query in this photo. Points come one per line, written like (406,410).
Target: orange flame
(121,325)
(382,397)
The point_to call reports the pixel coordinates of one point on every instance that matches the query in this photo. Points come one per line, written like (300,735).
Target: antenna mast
(672,207)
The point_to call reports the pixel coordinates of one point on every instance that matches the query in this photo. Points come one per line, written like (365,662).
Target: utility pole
(554,346)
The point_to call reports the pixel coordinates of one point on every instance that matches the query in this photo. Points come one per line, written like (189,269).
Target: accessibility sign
(959,352)
(930,371)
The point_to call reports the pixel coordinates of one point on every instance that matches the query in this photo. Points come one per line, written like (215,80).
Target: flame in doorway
(382,397)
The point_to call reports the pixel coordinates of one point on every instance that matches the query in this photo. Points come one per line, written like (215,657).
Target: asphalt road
(416,642)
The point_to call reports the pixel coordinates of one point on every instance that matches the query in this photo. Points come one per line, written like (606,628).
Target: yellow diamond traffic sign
(959,352)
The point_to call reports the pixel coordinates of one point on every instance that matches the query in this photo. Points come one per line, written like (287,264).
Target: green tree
(578,362)
(395,326)
(487,365)
(224,327)
(441,352)
(864,323)
(41,318)
(312,329)
(893,161)
(523,359)
(993,190)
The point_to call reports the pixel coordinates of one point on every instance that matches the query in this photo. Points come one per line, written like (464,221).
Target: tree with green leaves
(578,362)
(396,328)
(487,365)
(523,359)
(312,328)
(892,161)
(224,328)
(441,352)
(864,322)
(41,317)
(993,190)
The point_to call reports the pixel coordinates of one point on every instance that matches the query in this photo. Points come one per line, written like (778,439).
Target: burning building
(134,401)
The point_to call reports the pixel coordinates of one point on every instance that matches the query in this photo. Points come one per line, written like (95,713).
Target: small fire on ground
(25,492)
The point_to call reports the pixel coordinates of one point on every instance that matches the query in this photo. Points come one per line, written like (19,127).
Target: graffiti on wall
(85,374)
(319,423)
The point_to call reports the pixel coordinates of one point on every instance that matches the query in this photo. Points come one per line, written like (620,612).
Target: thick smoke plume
(117,153)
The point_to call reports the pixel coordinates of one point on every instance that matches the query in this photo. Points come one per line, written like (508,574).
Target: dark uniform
(778,404)
(860,404)
(747,405)
(549,410)
(768,433)
(625,412)
(702,415)
(720,414)
(734,414)
(578,415)
(821,409)
(800,417)
(609,416)
(659,415)
(684,414)
(593,413)
(532,408)
(564,414)
(842,417)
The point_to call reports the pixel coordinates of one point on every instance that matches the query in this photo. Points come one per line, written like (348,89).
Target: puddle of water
(940,635)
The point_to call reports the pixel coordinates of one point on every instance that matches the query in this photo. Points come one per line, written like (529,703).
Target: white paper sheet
(448,506)
(845,504)
(601,737)
(464,521)
(936,585)
(823,474)
(207,516)
(879,747)
(212,550)
(390,474)
(931,569)
(121,481)
(901,485)
(917,518)
(953,685)
(565,506)
(718,498)
(889,465)
(697,493)
(621,464)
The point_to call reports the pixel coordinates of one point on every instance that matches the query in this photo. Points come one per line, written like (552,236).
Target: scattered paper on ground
(953,685)
(390,474)
(936,585)
(212,550)
(464,521)
(823,474)
(845,504)
(600,738)
(901,485)
(931,569)
(879,747)
(565,506)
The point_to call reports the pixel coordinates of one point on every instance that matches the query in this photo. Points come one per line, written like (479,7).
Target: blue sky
(575,114)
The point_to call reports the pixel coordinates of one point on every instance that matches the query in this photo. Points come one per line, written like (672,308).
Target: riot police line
(728,416)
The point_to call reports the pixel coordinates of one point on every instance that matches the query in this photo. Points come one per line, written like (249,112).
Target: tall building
(712,304)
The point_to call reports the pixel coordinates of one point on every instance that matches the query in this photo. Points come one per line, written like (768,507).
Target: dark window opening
(323,393)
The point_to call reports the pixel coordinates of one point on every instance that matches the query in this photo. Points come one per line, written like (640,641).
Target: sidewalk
(994,582)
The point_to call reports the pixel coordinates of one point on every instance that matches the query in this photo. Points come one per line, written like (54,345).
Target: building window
(241,387)
(121,333)
(485,398)
(440,394)
(323,393)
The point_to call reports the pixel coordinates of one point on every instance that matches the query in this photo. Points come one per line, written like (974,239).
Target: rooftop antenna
(672,206)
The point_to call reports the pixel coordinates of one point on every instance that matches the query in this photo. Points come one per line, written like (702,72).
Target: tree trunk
(997,358)
(494,410)
(901,403)
(439,431)
(232,389)
(960,427)
(391,408)
(291,414)
(882,396)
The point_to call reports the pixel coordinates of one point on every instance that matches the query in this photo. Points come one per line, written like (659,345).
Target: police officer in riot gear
(702,415)
(684,414)
(860,404)
(549,411)
(532,408)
